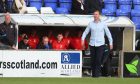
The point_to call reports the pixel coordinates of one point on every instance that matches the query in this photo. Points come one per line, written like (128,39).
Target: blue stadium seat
(137,7)
(111,7)
(135,13)
(136,21)
(66,5)
(36,3)
(52,5)
(107,12)
(121,12)
(65,0)
(110,1)
(126,8)
(125,2)
(136,2)
(10,4)
(62,11)
(50,1)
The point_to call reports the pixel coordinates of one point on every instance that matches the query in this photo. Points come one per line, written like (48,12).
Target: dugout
(122,29)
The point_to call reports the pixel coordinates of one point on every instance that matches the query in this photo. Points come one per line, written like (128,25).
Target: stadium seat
(62,11)
(53,5)
(47,10)
(137,7)
(125,2)
(136,21)
(36,3)
(136,2)
(32,10)
(111,7)
(65,0)
(66,5)
(126,8)
(10,4)
(110,1)
(107,12)
(135,13)
(121,12)
(50,1)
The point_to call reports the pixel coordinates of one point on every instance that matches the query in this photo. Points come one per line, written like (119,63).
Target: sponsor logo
(70,64)
(132,67)
(70,58)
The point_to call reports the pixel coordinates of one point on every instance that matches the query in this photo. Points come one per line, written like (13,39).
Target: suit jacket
(93,5)
(18,5)
(76,8)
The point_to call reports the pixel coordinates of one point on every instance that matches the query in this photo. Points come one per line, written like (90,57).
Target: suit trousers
(96,56)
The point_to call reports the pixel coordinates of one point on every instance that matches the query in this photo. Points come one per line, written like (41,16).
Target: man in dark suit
(93,5)
(78,7)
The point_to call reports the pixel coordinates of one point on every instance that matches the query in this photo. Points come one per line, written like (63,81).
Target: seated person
(77,41)
(67,38)
(23,44)
(45,43)
(33,39)
(59,44)
(19,6)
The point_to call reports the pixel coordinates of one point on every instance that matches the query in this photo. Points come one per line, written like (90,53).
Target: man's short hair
(59,33)
(96,11)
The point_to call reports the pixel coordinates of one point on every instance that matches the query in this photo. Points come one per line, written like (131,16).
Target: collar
(6,24)
(98,21)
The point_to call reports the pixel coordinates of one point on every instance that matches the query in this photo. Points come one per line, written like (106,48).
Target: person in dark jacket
(19,6)
(93,5)
(45,43)
(78,7)
(8,32)
(3,6)
(24,43)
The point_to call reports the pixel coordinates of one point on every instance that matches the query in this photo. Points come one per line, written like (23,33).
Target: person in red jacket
(33,40)
(59,44)
(77,41)
(67,38)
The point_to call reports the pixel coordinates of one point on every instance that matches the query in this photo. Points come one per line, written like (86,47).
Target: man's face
(45,41)
(7,19)
(96,15)
(59,37)
(25,41)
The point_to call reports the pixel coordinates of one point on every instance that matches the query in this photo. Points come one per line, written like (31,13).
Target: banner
(131,64)
(41,64)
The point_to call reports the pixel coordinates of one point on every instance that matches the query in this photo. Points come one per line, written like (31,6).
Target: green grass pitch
(85,80)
